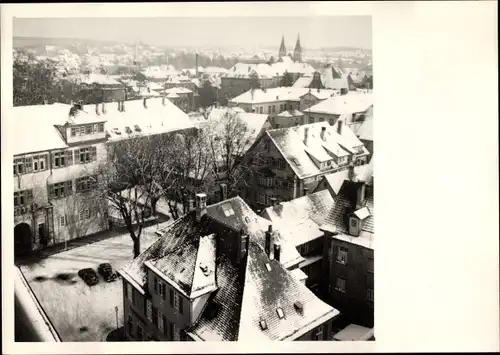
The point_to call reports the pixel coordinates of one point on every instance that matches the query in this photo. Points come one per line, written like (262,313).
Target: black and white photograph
(194,178)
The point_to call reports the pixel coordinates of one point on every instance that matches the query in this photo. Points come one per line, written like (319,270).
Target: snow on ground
(80,312)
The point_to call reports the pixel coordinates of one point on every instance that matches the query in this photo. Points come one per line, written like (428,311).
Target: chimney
(269,241)
(306,135)
(360,196)
(323,131)
(201,206)
(339,127)
(277,251)
(97,109)
(145,102)
(223,192)
(103,108)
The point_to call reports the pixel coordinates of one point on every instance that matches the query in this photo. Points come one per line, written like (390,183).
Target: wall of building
(353,303)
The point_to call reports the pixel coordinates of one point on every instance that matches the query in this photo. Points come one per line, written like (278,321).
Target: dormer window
(228,210)
(280,313)
(263,324)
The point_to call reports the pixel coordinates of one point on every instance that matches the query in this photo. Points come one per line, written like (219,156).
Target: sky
(315,31)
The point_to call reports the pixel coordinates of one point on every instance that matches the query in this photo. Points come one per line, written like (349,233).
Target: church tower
(282,51)
(297,53)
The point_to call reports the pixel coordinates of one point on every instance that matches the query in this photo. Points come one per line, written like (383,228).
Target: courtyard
(77,311)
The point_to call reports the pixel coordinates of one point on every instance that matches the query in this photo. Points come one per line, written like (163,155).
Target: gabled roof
(299,220)
(345,204)
(281,94)
(353,102)
(243,293)
(290,142)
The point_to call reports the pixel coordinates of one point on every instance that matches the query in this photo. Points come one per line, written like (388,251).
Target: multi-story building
(289,163)
(352,108)
(299,221)
(54,167)
(284,105)
(326,78)
(181,97)
(220,273)
(349,251)
(56,163)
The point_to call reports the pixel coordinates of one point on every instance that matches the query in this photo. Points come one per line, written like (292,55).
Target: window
(62,221)
(370,265)
(155,316)
(268,109)
(129,292)
(321,119)
(101,127)
(311,119)
(160,320)
(280,184)
(281,164)
(161,290)
(180,304)
(176,332)
(331,121)
(60,189)
(155,282)
(172,294)
(261,198)
(369,295)
(84,214)
(176,301)
(130,325)
(39,162)
(270,199)
(318,334)
(87,154)
(340,284)
(73,131)
(353,222)
(228,210)
(261,109)
(89,129)
(22,166)
(342,255)
(280,313)
(274,108)
(86,183)
(269,181)
(140,332)
(23,198)
(149,310)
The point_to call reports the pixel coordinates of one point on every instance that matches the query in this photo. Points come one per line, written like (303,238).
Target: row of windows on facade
(87,129)
(35,163)
(153,314)
(341,286)
(270,181)
(24,198)
(342,259)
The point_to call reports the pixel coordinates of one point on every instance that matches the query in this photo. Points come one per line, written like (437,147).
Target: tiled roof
(345,204)
(353,102)
(290,142)
(37,126)
(245,293)
(281,94)
(299,220)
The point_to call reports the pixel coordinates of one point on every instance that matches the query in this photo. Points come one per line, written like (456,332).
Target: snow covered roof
(264,70)
(353,102)
(299,220)
(280,94)
(172,95)
(160,116)
(99,79)
(335,180)
(365,132)
(293,113)
(178,90)
(36,123)
(346,202)
(159,72)
(354,332)
(290,142)
(155,86)
(246,293)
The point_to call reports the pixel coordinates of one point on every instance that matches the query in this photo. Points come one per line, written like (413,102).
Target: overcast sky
(315,32)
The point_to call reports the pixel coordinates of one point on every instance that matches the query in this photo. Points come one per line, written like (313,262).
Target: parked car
(106,271)
(89,276)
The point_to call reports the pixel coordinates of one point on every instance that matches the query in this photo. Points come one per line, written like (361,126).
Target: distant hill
(22,42)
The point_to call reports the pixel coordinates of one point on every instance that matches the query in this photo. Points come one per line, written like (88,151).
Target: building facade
(289,163)
(209,278)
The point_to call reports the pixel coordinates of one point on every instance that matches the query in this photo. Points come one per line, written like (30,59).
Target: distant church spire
(282,52)
(297,53)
